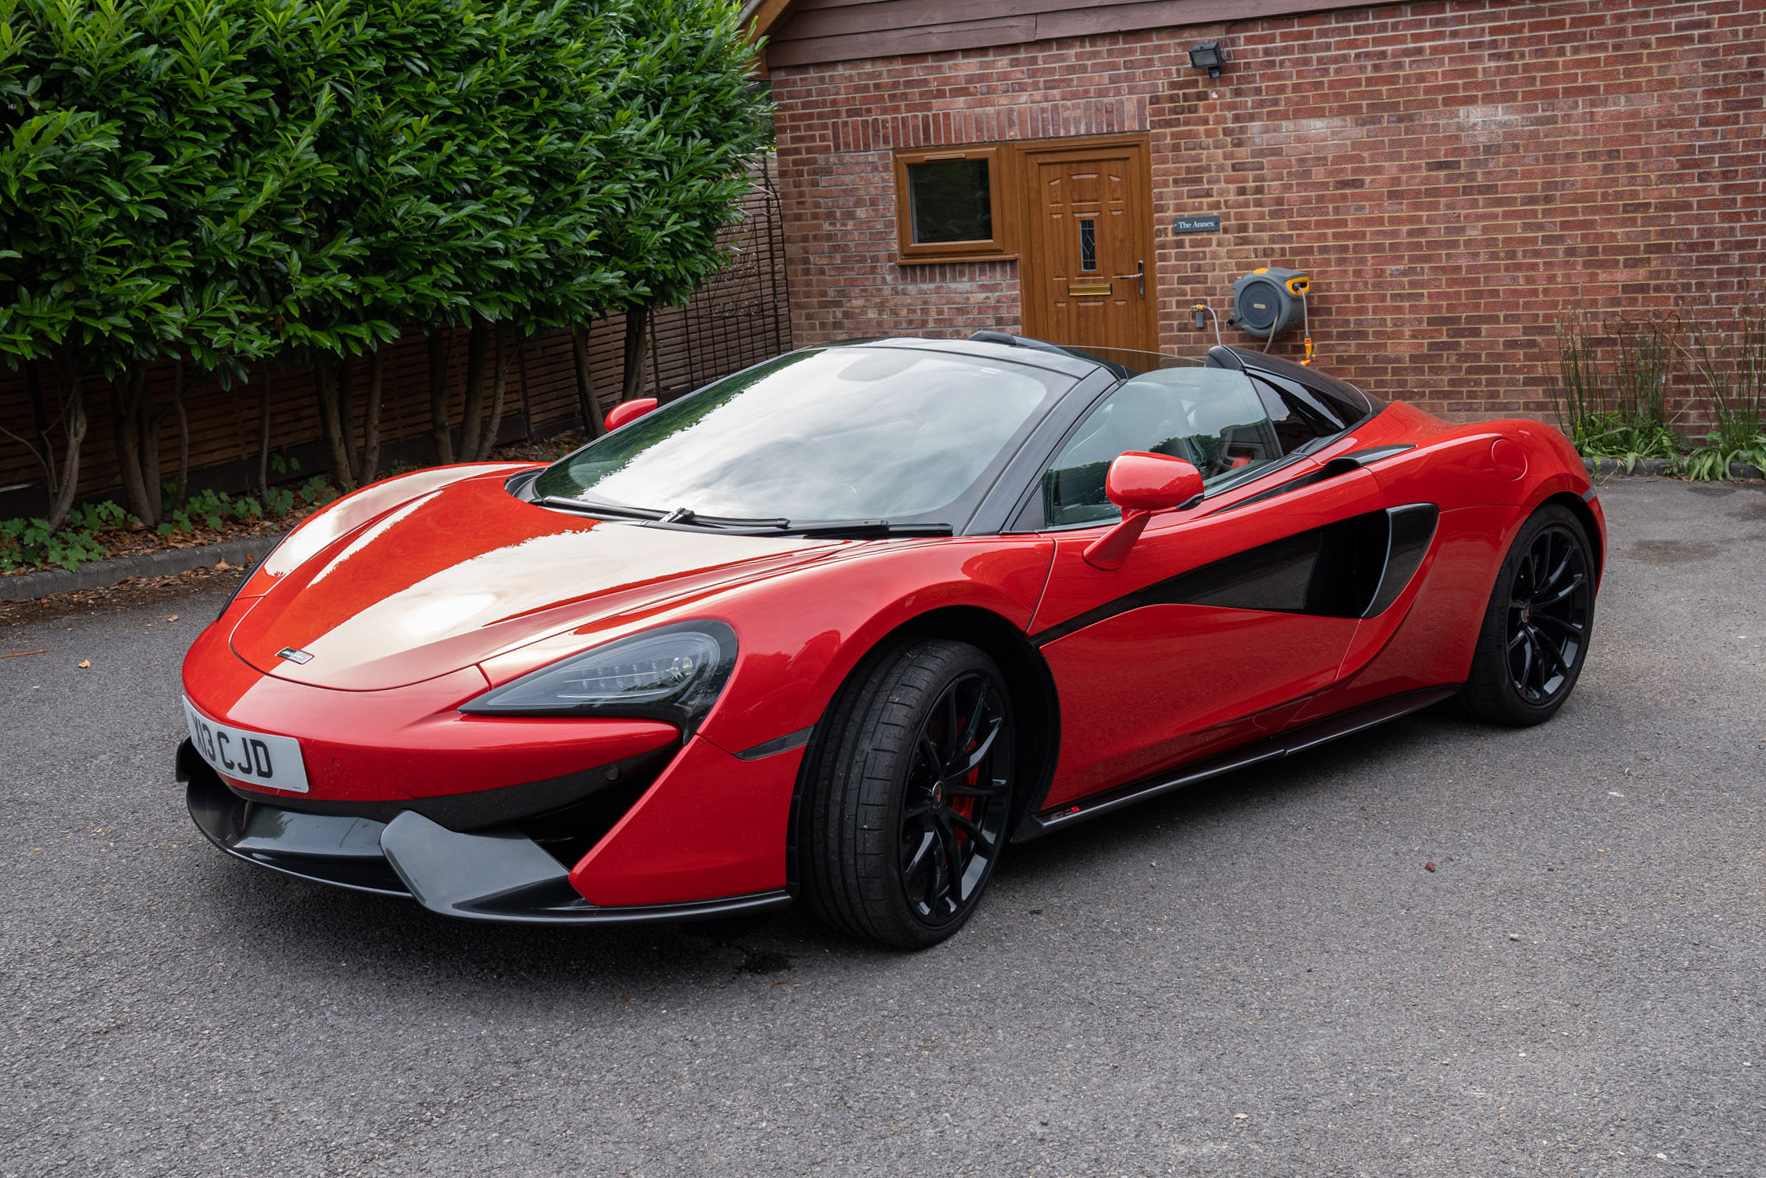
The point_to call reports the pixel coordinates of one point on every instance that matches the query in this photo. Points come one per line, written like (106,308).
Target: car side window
(1297,414)
(1213,418)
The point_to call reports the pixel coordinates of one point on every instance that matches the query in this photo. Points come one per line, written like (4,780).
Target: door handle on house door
(1140,273)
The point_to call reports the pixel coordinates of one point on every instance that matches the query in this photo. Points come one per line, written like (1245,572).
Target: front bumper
(498,874)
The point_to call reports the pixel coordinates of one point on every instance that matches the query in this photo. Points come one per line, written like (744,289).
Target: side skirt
(1285,744)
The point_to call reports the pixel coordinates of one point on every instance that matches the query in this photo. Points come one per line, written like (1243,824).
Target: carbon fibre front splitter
(496,875)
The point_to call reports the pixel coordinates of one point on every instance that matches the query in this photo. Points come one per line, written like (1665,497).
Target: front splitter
(501,876)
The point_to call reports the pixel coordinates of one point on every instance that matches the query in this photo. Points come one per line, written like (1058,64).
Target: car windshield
(843,433)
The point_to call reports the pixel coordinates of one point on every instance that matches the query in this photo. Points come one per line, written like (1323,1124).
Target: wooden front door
(1087,268)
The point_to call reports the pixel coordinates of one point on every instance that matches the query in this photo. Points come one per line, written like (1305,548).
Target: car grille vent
(572,832)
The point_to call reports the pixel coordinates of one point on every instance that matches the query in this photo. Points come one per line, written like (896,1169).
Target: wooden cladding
(819,32)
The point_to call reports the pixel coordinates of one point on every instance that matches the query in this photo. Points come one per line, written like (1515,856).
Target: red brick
(1608,160)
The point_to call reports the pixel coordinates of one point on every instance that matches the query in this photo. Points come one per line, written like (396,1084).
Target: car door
(1225,616)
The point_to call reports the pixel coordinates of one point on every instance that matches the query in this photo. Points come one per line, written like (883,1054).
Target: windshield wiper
(853,529)
(865,529)
(686,515)
(590,507)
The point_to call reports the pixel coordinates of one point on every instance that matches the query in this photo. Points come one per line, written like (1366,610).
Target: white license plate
(256,758)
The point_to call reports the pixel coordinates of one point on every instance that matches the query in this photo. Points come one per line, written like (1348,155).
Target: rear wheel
(1536,630)
(907,795)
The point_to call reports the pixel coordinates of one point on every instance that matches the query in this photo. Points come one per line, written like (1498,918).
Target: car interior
(1212,418)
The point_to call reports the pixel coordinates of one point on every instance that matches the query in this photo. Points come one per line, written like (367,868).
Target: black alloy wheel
(1548,609)
(954,809)
(1536,630)
(905,794)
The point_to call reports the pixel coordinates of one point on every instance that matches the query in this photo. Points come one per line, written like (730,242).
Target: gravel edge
(99,574)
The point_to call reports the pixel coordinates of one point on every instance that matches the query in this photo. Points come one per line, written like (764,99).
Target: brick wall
(1455,176)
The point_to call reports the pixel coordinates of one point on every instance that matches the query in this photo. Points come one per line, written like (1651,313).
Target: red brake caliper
(964,806)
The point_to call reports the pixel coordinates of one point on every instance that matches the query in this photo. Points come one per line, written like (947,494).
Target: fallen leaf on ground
(1429,866)
(222,564)
(84,663)
(171,617)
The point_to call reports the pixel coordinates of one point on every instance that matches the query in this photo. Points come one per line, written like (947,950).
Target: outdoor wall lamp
(1210,56)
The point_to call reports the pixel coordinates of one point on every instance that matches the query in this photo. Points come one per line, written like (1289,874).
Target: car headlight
(673,673)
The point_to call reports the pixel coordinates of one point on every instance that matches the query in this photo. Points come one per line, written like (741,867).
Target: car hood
(460,574)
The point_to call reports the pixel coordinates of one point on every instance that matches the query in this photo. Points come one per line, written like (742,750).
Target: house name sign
(1207,224)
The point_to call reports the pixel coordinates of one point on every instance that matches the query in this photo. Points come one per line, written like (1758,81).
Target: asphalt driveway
(1258,977)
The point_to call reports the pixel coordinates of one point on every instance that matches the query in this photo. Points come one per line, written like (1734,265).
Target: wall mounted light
(1210,56)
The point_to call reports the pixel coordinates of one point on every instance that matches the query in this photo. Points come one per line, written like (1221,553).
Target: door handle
(1140,274)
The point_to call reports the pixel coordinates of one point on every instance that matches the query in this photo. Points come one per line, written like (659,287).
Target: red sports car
(841,626)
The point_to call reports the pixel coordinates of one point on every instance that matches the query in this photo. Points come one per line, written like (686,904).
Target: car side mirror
(627,411)
(1141,484)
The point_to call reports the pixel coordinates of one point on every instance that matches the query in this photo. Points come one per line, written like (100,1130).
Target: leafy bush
(694,121)
(318,491)
(1620,410)
(210,509)
(1729,369)
(34,544)
(151,174)
(224,181)
(1617,412)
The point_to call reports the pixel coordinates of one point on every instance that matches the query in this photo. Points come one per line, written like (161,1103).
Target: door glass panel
(1211,417)
(1299,417)
(950,200)
(1327,396)
(1088,244)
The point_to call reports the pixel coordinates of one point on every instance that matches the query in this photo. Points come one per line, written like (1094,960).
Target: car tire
(1536,629)
(906,794)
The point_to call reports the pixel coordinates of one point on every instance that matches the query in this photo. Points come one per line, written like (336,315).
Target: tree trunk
(263,438)
(472,424)
(370,459)
(40,418)
(330,423)
(439,349)
(526,399)
(346,421)
(125,409)
(71,416)
(147,421)
(637,328)
(505,354)
(594,423)
(182,491)
(74,425)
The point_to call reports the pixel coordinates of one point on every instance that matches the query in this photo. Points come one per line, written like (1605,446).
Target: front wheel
(1536,630)
(907,795)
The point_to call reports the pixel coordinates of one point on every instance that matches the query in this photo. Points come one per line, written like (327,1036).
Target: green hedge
(296,181)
